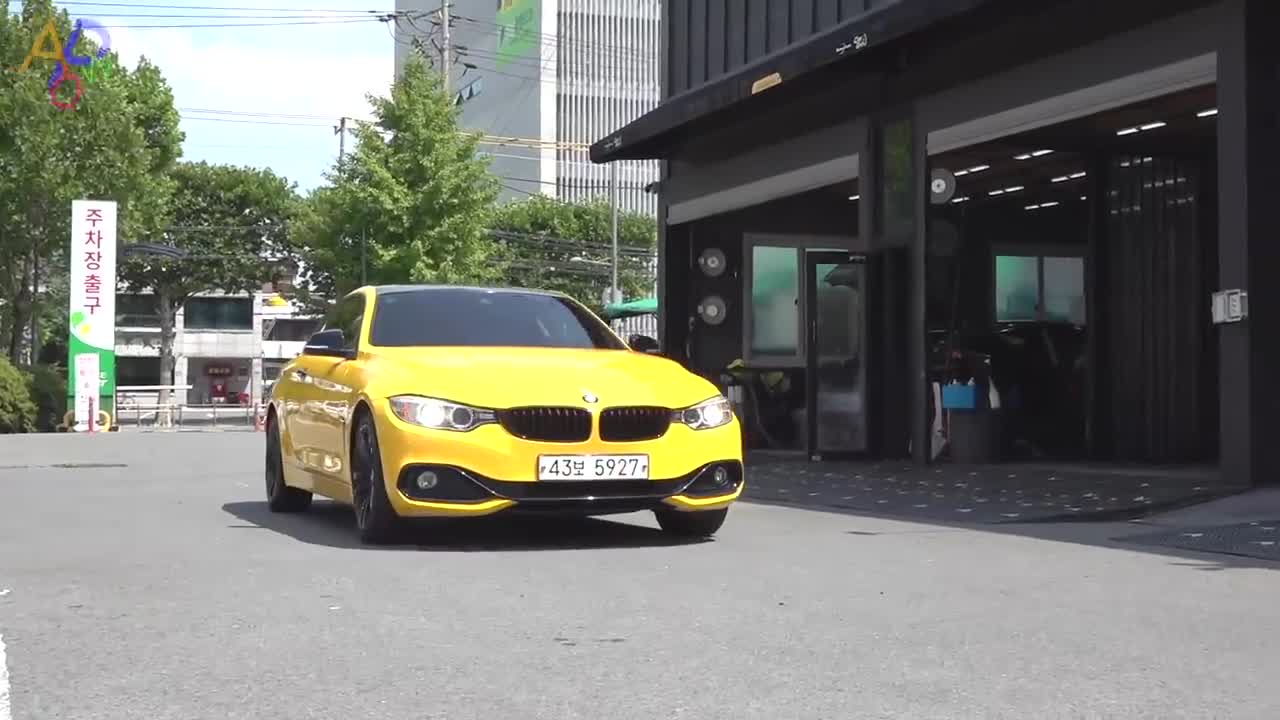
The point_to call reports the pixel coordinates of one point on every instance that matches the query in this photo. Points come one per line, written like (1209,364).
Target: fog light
(427,480)
(721,476)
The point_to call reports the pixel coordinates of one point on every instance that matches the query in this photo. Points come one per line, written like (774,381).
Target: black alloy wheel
(696,524)
(375,518)
(281,498)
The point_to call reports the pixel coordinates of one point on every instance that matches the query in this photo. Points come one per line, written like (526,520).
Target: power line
(216,7)
(254,122)
(336,21)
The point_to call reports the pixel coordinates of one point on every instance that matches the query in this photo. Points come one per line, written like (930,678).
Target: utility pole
(614,293)
(341,132)
(446,62)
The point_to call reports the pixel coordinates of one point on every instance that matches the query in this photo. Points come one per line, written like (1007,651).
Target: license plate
(593,467)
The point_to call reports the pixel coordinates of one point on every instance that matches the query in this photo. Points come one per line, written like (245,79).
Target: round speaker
(942,186)
(712,310)
(712,262)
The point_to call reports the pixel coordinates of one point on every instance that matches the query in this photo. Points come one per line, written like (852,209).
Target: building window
(775,302)
(137,311)
(1040,288)
(218,313)
(289,329)
(139,371)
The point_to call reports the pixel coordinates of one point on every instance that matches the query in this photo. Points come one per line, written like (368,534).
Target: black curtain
(1154,302)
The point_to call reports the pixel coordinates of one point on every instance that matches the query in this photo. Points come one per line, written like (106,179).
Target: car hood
(513,377)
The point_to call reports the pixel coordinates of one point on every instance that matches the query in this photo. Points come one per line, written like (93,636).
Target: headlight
(440,414)
(706,415)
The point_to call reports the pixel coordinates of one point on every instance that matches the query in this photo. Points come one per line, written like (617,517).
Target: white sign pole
(86,388)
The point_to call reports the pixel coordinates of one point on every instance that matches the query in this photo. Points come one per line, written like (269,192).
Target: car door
(334,392)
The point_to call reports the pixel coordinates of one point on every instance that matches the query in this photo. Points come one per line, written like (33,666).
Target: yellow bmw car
(438,401)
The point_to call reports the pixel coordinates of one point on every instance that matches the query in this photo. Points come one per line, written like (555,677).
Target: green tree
(232,223)
(115,144)
(556,245)
(17,411)
(414,189)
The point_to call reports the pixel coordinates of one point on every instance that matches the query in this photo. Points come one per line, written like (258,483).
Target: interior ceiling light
(1072,176)
(1140,128)
(854,197)
(1207,113)
(1084,197)
(960,199)
(1036,154)
(1049,204)
(1004,190)
(974,169)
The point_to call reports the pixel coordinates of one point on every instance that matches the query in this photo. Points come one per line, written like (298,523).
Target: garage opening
(1069,268)
(783,299)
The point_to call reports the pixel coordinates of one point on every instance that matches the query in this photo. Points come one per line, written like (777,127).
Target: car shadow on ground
(333,525)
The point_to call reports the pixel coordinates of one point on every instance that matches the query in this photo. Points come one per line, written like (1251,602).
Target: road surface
(142,577)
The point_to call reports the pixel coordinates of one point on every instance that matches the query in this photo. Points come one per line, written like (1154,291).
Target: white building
(224,345)
(556,71)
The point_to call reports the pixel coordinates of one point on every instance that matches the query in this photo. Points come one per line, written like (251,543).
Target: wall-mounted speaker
(712,310)
(712,262)
(715,293)
(942,186)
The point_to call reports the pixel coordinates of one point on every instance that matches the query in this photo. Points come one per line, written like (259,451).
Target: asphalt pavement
(142,577)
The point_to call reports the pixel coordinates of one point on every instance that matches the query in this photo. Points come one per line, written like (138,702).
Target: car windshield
(489,318)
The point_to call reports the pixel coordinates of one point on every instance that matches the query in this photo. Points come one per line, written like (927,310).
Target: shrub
(17,411)
(48,389)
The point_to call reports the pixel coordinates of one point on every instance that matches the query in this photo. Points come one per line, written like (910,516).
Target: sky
(265,96)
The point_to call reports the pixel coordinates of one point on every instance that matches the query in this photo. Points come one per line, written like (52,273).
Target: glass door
(836,320)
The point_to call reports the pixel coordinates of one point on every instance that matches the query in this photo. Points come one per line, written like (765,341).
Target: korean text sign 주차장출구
(92,309)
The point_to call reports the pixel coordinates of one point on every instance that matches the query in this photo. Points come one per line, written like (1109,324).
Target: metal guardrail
(179,416)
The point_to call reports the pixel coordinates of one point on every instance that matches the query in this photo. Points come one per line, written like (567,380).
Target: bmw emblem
(588,397)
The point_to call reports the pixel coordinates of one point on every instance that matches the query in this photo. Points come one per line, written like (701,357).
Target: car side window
(348,317)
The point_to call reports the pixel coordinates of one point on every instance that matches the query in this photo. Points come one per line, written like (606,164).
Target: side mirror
(328,343)
(644,344)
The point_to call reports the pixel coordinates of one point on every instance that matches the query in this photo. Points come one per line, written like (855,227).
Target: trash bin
(973,426)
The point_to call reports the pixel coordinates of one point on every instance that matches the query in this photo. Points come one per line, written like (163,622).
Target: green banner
(519,30)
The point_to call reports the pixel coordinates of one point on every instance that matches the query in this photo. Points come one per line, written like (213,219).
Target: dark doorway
(1075,261)
(837,372)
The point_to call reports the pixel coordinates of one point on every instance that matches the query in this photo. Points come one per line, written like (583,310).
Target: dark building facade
(862,201)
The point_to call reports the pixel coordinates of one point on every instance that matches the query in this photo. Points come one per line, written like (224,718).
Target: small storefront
(1045,201)
(219,381)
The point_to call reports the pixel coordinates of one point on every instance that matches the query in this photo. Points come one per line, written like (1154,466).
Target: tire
(280,497)
(697,524)
(376,520)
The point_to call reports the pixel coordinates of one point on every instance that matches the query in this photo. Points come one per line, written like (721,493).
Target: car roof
(398,289)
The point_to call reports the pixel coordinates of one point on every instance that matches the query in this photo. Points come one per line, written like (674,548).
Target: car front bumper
(487,470)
